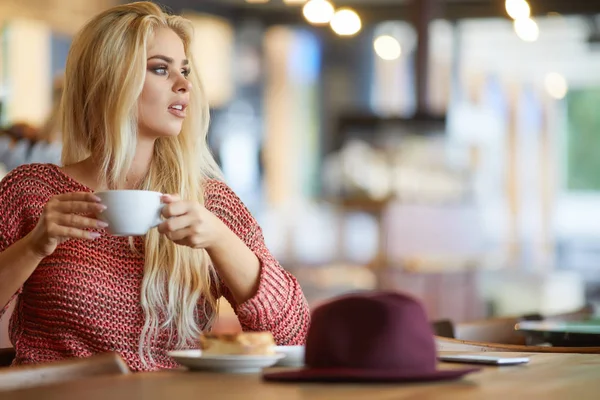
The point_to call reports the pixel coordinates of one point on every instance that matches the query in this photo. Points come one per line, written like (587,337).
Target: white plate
(294,356)
(195,360)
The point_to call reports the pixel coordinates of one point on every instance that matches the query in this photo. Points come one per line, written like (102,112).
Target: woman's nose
(183,85)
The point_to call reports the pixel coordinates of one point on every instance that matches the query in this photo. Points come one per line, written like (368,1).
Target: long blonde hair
(104,77)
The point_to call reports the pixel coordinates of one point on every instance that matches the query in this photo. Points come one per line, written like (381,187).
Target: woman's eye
(185,72)
(160,70)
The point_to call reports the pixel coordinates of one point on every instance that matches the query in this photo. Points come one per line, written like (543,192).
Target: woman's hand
(189,223)
(65,217)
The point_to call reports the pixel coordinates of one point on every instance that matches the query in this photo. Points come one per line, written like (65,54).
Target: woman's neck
(87,171)
(140,165)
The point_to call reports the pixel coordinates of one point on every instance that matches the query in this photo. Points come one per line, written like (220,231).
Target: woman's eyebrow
(168,60)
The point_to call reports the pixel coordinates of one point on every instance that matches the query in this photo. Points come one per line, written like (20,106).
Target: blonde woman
(134,116)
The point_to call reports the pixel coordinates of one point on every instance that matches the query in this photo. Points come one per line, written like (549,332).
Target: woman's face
(165,96)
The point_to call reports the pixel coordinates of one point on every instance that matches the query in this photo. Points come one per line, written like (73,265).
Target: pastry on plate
(243,343)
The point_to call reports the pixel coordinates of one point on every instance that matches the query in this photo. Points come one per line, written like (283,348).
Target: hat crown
(375,331)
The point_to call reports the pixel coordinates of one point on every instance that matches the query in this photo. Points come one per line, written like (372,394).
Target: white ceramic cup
(294,356)
(130,212)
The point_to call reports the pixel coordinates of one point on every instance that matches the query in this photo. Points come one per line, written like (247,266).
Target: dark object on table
(370,337)
(566,334)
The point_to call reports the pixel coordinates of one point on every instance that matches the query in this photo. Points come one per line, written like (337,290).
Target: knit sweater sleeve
(12,221)
(279,305)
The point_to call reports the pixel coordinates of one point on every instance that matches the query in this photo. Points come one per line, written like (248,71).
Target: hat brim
(358,375)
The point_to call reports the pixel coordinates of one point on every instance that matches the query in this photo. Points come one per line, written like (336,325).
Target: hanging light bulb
(556,85)
(387,47)
(318,11)
(517,9)
(526,29)
(345,22)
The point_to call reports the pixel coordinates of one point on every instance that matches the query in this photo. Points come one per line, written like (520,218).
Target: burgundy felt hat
(370,337)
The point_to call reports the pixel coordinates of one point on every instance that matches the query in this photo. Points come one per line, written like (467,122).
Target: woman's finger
(78,221)
(170,198)
(78,207)
(78,196)
(181,234)
(175,209)
(174,224)
(58,231)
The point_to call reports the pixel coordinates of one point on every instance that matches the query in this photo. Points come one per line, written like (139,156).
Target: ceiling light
(318,11)
(517,9)
(556,85)
(526,29)
(345,22)
(387,47)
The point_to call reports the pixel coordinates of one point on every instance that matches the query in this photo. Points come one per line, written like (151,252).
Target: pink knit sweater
(85,298)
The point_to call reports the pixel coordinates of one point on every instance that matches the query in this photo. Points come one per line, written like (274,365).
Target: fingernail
(98,199)
(102,224)
(95,235)
(102,207)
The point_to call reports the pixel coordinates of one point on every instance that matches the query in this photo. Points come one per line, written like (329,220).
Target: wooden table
(547,376)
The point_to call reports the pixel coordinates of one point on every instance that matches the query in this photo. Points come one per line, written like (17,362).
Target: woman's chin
(166,133)
(172,130)
(170,133)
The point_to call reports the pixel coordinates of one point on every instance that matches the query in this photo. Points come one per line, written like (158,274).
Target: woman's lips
(177,113)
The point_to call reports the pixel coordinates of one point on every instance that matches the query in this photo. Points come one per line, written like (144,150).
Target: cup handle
(159,219)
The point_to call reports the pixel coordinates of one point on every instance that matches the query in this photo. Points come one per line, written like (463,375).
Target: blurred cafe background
(445,148)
